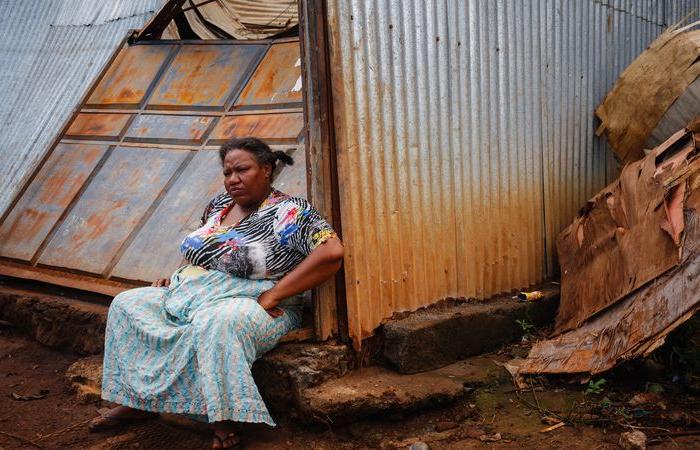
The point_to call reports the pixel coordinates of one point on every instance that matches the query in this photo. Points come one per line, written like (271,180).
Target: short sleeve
(215,205)
(300,227)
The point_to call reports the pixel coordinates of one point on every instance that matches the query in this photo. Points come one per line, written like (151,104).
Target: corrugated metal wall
(465,135)
(50,52)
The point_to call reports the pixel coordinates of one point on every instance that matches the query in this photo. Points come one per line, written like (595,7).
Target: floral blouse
(264,245)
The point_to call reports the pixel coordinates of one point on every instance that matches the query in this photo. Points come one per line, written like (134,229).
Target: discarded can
(530,296)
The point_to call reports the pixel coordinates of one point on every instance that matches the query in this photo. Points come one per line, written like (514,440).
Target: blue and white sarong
(189,348)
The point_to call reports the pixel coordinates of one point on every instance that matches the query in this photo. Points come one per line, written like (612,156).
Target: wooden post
(330,307)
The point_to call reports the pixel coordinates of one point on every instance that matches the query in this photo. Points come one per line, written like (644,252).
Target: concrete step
(379,391)
(442,334)
(361,394)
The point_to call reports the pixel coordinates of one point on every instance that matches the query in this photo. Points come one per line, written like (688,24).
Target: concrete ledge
(55,321)
(436,336)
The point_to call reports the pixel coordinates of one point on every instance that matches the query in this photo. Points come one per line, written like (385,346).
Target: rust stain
(265,126)
(126,81)
(102,125)
(49,194)
(203,75)
(275,79)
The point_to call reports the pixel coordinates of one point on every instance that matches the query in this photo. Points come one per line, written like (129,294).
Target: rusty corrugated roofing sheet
(242,19)
(465,138)
(50,52)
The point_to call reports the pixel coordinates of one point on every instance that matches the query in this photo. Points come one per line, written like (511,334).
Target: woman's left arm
(319,266)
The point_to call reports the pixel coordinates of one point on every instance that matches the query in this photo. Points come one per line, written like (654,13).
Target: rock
(84,377)
(633,440)
(419,446)
(490,437)
(644,398)
(446,425)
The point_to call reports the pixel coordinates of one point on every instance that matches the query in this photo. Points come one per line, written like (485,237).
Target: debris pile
(630,264)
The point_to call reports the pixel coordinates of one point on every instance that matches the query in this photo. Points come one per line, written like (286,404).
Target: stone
(84,377)
(419,446)
(442,334)
(633,440)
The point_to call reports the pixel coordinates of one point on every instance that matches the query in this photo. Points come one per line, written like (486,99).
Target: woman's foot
(118,416)
(224,437)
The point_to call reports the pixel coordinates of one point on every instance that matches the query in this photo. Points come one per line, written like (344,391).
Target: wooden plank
(277,80)
(203,76)
(98,125)
(109,209)
(155,252)
(63,278)
(46,198)
(130,75)
(302,334)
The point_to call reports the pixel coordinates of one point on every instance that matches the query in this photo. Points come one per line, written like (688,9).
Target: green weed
(596,387)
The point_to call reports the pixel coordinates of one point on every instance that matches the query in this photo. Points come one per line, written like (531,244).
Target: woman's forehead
(237,157)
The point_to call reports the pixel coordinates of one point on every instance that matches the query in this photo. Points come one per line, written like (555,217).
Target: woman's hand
(161,282)
(316,268)
(269,304)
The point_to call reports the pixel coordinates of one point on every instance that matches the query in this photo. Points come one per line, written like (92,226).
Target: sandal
(220,440)
(106,421)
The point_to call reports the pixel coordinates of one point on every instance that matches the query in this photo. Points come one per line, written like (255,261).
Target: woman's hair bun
(282,156)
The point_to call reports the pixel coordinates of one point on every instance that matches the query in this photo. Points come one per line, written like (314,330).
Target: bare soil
(494,411)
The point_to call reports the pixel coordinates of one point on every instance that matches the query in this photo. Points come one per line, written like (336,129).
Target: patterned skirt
(189,348)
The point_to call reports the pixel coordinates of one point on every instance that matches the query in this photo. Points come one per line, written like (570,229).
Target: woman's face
(244,179)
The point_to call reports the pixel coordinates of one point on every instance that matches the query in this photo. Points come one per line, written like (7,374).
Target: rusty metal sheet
(644,235)
(155,253)
(270,127)
(204,75)
(110,208)
(44,201)
(277,79)
(620,240)
(153,128)
(128,78)
(98,125)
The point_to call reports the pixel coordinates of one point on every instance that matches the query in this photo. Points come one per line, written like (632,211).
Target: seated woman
(186,345)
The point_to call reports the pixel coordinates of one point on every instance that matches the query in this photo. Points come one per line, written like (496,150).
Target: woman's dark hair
(260,150)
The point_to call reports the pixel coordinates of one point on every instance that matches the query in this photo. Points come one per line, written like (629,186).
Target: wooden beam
(66,279)
(154,28)
(329,299)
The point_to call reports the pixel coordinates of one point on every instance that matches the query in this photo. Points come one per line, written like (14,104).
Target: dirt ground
(493,415)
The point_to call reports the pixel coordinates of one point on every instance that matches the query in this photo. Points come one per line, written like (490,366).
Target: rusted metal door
(136,165)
